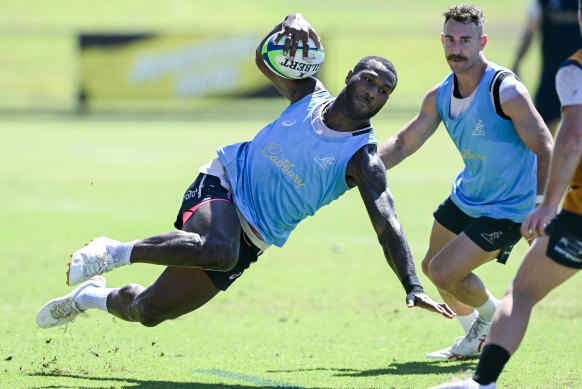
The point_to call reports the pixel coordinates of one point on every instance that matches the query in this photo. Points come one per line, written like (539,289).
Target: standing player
(504,144)
(557,24)
(556,255)
(253,195)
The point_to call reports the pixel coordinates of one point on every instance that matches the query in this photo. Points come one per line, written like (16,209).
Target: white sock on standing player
(467,320)
(487,310)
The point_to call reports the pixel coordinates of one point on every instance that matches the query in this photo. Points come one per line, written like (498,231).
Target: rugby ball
(293,68)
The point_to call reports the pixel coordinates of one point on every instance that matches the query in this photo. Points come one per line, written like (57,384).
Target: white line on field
(247,378)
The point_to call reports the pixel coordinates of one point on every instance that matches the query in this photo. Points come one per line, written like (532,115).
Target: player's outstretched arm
(366,171)
(293,29)
(399,146)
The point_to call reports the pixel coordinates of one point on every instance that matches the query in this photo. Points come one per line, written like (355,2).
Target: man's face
(367,91)
(462,44)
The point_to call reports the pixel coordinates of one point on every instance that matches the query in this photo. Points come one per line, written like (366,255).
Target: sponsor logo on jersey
(324,162)
(479,129)
(468,155)
(272,151)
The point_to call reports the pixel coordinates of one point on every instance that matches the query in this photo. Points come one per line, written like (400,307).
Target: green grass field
(304,316)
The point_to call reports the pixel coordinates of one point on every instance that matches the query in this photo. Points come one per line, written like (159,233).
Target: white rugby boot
(63,310)
(467,383)
(472,344)
(445,353)
(468,346)
(91,260)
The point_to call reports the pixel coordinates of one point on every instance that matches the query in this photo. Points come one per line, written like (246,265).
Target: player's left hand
(422,300)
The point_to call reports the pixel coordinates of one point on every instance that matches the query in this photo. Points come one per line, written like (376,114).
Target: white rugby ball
(293,68)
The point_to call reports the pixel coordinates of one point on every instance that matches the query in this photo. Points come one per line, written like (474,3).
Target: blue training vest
(289,171)
(500,175)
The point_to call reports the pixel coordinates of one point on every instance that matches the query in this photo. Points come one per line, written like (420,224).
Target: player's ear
(349,76)
(483,41)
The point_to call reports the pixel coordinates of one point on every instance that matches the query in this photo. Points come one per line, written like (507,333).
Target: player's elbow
(394,150)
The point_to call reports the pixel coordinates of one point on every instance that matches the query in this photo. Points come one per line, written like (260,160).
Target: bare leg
(456,256)
(176,292)
(210,240)
(451,270)
(536,277)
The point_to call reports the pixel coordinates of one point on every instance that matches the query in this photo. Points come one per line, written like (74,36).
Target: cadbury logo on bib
(272,151)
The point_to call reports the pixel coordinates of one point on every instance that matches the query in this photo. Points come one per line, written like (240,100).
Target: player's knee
(523,294)
(424,266)
(131,304)
(439,276)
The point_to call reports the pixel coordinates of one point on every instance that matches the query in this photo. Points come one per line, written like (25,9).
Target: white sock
(120,252)
(467,320)
(487,310)
(92,297)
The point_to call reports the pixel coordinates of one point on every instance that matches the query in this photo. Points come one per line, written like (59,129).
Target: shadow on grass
(405,368)
(112,382)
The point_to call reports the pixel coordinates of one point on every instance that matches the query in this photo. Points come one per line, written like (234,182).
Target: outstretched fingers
(422,300)
(294,29)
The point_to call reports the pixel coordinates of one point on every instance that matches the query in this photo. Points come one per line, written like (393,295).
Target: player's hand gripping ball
(293,68)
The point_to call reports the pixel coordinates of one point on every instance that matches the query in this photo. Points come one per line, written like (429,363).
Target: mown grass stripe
(247,378)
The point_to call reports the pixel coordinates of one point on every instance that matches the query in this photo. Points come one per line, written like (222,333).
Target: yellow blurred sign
(172,67)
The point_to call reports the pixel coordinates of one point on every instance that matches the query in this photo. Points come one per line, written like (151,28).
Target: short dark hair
(466,13)
(364,64)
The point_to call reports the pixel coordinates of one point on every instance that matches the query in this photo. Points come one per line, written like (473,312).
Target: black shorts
(565,244)
(487,233)
(207,188)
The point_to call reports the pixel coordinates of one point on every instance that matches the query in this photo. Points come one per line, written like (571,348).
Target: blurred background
(195,57)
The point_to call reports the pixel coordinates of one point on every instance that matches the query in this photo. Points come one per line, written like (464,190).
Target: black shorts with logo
(488,233)
(207,188)
(565,244)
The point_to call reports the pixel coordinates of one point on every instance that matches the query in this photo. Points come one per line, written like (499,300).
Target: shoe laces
(93,266)
(63,309)
(472,340)
(476,330)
